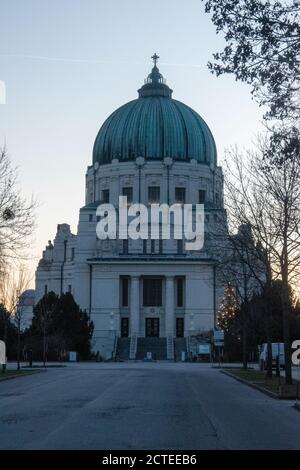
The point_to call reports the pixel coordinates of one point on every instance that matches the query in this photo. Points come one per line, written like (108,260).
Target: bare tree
(47,310)
(262,49)
(12,287)
(16,216)
(265,195)
(235,261)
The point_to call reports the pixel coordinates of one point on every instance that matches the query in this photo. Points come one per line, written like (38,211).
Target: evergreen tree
(59,325)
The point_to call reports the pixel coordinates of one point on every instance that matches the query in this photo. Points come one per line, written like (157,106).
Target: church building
(142,295)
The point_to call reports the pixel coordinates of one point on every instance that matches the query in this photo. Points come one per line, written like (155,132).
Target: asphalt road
(142,406)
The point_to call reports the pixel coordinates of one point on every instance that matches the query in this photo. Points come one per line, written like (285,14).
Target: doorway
(152,327)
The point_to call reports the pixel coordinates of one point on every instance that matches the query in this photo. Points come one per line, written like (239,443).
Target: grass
(12,374)
(259,378)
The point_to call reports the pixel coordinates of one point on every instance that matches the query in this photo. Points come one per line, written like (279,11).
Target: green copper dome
(154,126)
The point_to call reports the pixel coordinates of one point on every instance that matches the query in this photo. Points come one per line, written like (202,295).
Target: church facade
(152,150)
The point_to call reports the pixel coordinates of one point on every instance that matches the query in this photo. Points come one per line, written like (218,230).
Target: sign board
(204,348)
(218,335)
(219,338)
(149,356)
(72,356)
(2,353)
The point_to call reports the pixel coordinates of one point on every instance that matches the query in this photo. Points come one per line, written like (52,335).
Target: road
(142,406)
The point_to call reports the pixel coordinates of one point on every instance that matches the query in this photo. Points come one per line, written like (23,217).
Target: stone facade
(151,147)
(92,270)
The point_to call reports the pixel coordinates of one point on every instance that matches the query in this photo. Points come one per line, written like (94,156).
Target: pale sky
(67,64)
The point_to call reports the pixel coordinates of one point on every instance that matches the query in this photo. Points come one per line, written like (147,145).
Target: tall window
(152,292)
(46,289)
(125,291)
(179,247)
(105,196)
(202,196)
(72,254)
(70,289)
(180,195)
(125,247)
(153,194)
(180,292)
(128,192)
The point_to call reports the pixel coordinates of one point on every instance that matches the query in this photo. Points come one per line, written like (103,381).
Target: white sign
(2,353)
(218,335)
(72,356)
(204,348)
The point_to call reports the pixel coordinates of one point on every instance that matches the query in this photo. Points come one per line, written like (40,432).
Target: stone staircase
(179,346)
(158,347)
(123,349)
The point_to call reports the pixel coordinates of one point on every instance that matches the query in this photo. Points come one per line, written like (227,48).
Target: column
(170,307)
(135,305)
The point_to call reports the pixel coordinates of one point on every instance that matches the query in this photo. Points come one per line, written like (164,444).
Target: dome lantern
(155,84)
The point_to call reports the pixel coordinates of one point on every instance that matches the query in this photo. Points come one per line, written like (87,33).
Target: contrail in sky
(87,61)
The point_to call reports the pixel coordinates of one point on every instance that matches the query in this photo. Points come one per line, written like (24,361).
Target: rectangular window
(144,247)
(180,292)
(125,291)
(152,247)
(202,195)
(124,327)
(70,289)
(72,254)
(152,292)
(128,192)
(179,247)
(90,217)
(160,241)
(46,289)
(125,247)
(153,195)
(180,195)
(105,196)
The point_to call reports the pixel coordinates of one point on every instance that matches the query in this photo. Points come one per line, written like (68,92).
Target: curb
(252,385)
(16,376)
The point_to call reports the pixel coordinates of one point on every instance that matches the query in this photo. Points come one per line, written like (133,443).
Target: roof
(154,126)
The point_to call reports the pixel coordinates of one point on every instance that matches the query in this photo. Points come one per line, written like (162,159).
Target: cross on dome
(155,58)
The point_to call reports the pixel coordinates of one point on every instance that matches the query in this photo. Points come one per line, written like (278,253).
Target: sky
(68,64)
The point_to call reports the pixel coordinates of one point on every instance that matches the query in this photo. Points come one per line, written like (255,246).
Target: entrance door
(179,327)
(152,327)
(124,327)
